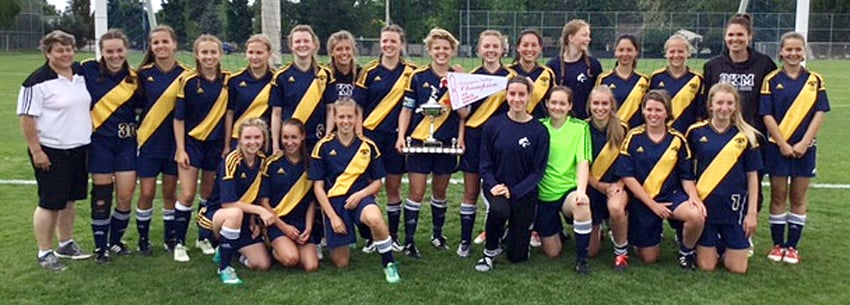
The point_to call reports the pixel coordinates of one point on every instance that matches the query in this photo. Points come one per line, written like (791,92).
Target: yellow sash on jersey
(208,124)
(163,106)
(390,100)
(421,131)
(356,167)
(253,191)
(665,165)
(488,107)
(685,97)
(231,164)
(541,87)
(256,109)
(294,196)
(720,166)
(631,104)
(311,98)
(112,100)
(800,108)
(604,161)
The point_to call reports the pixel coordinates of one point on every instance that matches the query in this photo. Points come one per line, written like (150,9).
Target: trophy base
(432,146)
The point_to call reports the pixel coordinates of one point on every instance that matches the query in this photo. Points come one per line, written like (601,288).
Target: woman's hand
(182,158)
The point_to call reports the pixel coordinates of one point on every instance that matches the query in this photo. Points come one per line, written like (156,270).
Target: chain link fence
(27,29)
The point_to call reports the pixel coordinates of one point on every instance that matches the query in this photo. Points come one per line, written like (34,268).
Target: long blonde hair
(338,37)
(306,28)
(498,36)
(254,122)
(737,118)
(615,130)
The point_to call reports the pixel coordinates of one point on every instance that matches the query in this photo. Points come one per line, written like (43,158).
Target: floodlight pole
(151,13)
(742,7)
(801,25)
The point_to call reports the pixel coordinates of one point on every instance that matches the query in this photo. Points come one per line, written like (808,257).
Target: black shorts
(67,179)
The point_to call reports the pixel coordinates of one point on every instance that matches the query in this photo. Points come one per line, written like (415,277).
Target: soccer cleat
(180,253)
(397,247)
(102,257)
(205,246)
(120,249)
(621,263)
(319,254)
(50,262)
(535,239)
(582,267)
(776,254)
(484,264)
(480,238)
(687,262)
(169,245)
(72,251)
(368,246)
(391,273)
(411,251)
(439,242)
(228,276)
(144,248)
(463,249)
(792,256)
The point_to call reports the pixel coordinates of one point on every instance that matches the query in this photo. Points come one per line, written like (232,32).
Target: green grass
(439,278)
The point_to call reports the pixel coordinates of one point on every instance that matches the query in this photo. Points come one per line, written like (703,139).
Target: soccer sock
(227,249)
(365,231)
(467,222)
(394,216)
(777,228)
(203,234)
(582,231)
(117,226)
(621,249)
(385,248)
(796,222)
(168,224)
(182,214)
(100,229)
(438,215)
(143,223)
(411,219)
(101,203)
(684,250)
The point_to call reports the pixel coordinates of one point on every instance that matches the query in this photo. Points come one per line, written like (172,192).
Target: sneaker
(535,239)
(484,264)
(397,247)
(687,262)
(50,262)
(120,249)
(480,239)
(319,254)
(206,246)
(439,242)
(583,267)
(792,256)
(463,249)
(621,263)
(391,273)
(180,253)
(411,251)
(72,251)
(102,257)
(776,254)
(144,248)
(368,246)
(228,275)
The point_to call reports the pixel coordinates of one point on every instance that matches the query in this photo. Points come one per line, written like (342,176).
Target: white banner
(465,88)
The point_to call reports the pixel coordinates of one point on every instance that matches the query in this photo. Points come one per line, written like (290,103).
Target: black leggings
(519,215)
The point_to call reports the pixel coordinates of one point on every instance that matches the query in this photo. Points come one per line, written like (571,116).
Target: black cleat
(411,251)
(145,248)
(583,267)
(687,262)
(102,257)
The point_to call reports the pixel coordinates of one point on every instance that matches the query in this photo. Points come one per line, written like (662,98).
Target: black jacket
(745,76)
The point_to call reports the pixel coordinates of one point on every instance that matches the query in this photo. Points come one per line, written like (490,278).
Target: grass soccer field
(440,277)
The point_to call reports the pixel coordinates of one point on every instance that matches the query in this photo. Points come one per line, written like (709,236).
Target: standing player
(514,150)
(682,84)
(793,103)
(628,85)
(248,90)
(379,90)
(346,171)
(343,52)
(727,161)
(574,67)
(441,47)
(199,132)
(563,188)
(112,154)
(655,164)
(159,81)
(529,46)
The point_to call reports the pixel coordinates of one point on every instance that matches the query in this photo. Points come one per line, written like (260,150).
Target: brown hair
(338,37)
(395,28)
(791,35)
(315,38)
(57,36)
(522,34)
(305,156)
(659,95)
(113,34)
(631,38)
(149,56)
(206,38)
(570,29)
(566,90)
(744,20)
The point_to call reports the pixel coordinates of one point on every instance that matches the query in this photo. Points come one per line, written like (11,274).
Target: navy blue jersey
(580,77)
(659,167)
(793,102)
(236,180)
(286,186)
(686,93)
(113,107)
(515,154)
(155,133)
(304,95)
(248,97)
(722,162)
(202,103)
(418,93)
(343,84)
(544,80)
(345,168)
(380,91)
(482,110)
(605,154)
(629,94)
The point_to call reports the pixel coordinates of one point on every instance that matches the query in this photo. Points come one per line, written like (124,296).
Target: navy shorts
(438,164)
(300,224)
(110,155)
(645,228)
(548,220)
(351,218)
(66,180)
(469,161)
(150,167)
(779,166)
(732,235)
(205,155)
(598,205)
(394,162)
(204,219)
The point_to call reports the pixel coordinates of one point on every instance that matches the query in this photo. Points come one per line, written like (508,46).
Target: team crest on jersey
(639,150)
(332,153)
(321,77)
(703,139)
(243,84)
(642,86)
(612,86)
(291,79)
(243,176)
(544,78)
(581,78)
(780,87)
(280,171)
(661,85)
(151,79)
(524,142)
(812,85)
(407,74)
(378,78)
(364,153)
(200,90)
(740,142)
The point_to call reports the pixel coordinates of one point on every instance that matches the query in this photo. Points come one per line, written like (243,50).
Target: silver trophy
(432,109)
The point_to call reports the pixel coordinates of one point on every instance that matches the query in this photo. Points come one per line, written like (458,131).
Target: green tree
(209,21)
(8,10)
(130,17)
(239,16)
(173,14)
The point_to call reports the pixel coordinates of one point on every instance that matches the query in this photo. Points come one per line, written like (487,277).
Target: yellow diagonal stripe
(256,109)
(112,100)
(356,167)
(389,102)
(663,168)
(720,166)
(604,161)
(158,112)
(294,196)
(632,103)
(421,131)
(800,108)
(208,124)
(311,99)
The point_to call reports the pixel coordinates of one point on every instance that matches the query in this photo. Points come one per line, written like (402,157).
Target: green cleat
(228,276)
(391,273)
(217,256)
